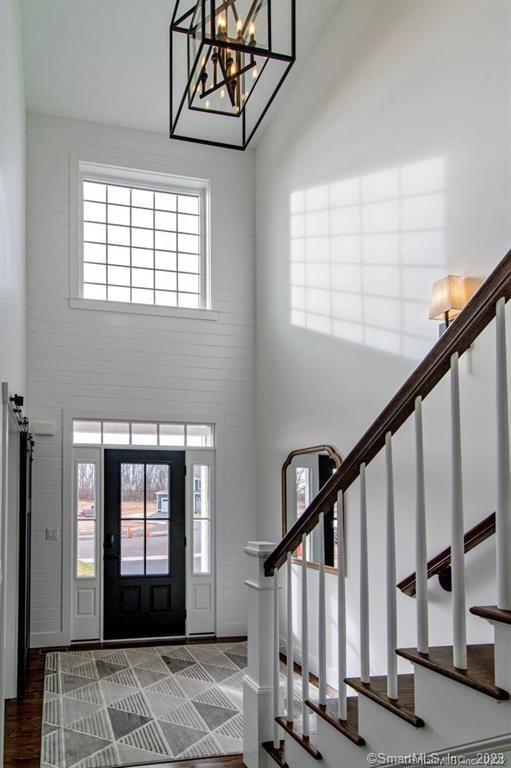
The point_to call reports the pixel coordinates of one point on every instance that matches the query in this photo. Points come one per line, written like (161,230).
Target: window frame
(153,181)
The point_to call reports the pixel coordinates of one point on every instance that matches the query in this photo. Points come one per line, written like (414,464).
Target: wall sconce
(450,294)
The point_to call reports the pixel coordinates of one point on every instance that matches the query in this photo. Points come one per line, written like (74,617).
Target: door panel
(144,544)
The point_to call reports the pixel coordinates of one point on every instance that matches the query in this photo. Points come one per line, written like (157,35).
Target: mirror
(304,472)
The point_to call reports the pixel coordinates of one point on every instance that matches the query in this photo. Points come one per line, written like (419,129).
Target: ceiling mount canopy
(228,59)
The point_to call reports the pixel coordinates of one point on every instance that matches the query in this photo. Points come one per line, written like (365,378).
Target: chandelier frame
(211,45)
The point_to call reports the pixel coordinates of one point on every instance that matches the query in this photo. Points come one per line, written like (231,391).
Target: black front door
(144,545)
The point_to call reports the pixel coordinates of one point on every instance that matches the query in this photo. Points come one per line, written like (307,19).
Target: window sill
(144,309)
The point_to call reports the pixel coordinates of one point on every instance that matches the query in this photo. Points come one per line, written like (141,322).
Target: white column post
(392,687)
(457,527)
(503,516)
(342,712)
(258,681)
(364,582)
(421,549)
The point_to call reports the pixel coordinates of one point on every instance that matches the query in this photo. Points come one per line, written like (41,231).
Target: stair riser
(389,734)
(457,714)
(503,655)
(337,750)
(297,757)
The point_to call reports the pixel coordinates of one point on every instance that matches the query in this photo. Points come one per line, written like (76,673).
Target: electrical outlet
(52,534)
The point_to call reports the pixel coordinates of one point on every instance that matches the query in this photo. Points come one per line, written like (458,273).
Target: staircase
(454,699)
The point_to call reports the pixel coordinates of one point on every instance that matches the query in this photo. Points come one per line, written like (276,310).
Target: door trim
(64,637)
(146,585)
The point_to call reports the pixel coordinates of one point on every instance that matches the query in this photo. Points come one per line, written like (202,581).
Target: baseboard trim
(55,641)
(47,639)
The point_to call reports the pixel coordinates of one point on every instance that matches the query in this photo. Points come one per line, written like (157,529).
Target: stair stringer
(453,713)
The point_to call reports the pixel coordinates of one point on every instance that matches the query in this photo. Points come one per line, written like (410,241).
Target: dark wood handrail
(442,562)
(458,337)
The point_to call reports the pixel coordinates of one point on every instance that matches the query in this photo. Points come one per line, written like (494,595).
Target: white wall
(152,366)
(12,286)
(392,154)
(12,200)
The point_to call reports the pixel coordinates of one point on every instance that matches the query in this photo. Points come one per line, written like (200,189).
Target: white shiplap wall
(117,363)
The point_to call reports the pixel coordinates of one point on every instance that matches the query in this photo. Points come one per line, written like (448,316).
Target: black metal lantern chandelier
(228,59)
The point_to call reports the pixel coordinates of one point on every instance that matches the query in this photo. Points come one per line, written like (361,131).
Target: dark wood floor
(23,721)
(23,728)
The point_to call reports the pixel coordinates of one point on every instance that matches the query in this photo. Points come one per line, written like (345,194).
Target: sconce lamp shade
(448,298)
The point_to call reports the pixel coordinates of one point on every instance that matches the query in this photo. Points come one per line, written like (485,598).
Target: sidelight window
(86,519)
(201,519)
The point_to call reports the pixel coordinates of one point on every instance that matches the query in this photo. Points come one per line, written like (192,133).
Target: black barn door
(25,536)
(144,544)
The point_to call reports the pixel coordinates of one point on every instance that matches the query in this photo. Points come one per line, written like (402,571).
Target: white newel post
(258,682)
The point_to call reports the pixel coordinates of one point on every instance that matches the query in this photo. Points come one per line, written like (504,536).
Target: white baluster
(341,610)
(290,653)
(421,549)
(457,526)
(364,581)
(305,641)
(276,660)
(503,519)
(392,687)
(322,613)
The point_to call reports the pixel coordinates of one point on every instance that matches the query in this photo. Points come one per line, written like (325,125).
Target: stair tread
(304,741)
(492,613)
(276,753)
(479,674)
(376,690)
(348,727)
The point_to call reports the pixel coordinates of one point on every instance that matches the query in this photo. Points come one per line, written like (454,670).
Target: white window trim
(84,170)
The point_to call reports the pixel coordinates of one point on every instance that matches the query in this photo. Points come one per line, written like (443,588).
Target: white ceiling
(108,60)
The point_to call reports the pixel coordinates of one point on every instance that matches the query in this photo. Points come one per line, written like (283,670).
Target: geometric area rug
(106,708)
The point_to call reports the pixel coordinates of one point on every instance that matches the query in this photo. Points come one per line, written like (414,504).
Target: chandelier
(228,59)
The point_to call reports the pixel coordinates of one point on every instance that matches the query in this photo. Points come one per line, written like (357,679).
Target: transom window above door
(138,433)
(143,243)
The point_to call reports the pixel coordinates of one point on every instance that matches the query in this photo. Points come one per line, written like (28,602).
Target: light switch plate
(52,534)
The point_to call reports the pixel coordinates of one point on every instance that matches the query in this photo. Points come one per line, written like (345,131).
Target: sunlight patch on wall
(365,253)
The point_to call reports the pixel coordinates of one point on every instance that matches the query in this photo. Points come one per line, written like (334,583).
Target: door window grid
(135,433)
(85,478)
(145,519)
(141,245)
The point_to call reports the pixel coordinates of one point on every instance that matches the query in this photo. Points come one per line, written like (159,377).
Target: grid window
(142,246)
(98,432)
